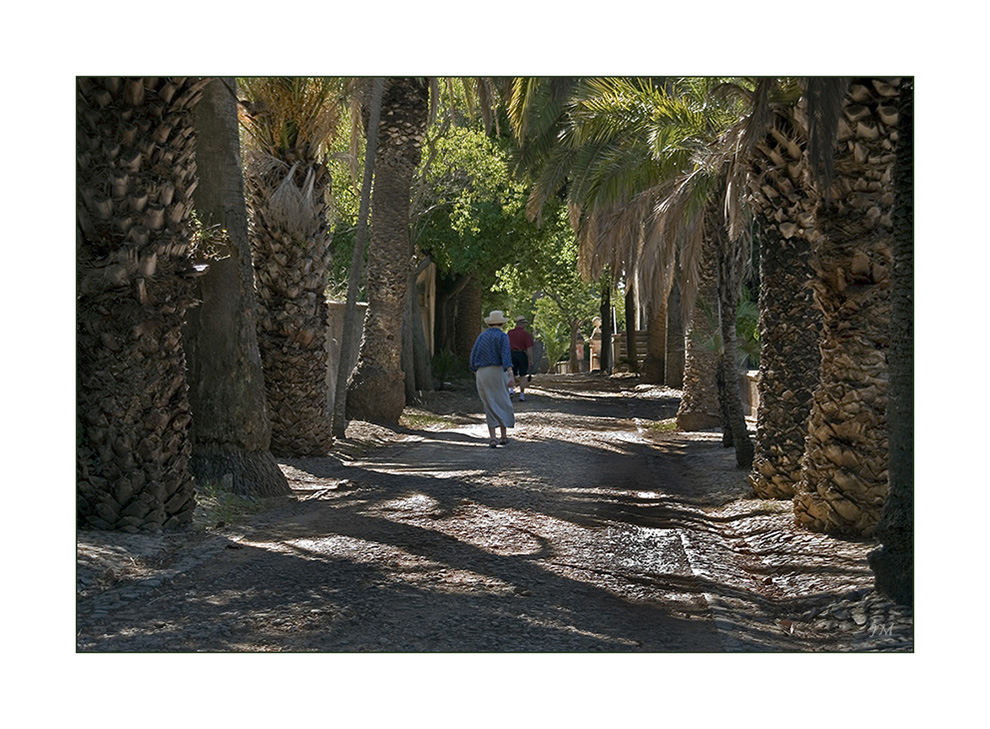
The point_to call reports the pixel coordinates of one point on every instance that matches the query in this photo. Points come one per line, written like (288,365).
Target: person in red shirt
(521,343)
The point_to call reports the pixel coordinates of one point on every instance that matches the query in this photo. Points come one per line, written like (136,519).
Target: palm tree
(714,265)
(844,478)
(135,176)
(654,364)
(376,392)
(231,429)
(732,259)
(348,346)
(780,184)
(645,166)
(893,562)
(699,407)
(673,353)
(393,363)
(288,123)
(539,111)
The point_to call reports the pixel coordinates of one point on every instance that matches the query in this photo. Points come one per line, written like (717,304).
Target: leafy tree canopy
(542,281)
(471,216)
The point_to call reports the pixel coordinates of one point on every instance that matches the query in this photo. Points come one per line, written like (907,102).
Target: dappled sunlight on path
(587,532)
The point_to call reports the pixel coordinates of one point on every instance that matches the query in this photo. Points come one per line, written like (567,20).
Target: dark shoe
(492,444)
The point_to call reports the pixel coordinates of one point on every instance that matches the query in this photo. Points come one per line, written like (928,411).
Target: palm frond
(611,239)
(292,207)
(552,178)
(359,97)
(292,114)
(657,258)
(537,112)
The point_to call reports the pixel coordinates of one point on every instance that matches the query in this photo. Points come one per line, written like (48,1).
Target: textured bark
(290,248)
(349,341)
(786,207)
(844,480)
(729,286)
(700,407)
(789,363)
(605,312)
(893,562)
(377,389)
(135,175)
(656,344)
(631,304)
(231,432)
(674,356)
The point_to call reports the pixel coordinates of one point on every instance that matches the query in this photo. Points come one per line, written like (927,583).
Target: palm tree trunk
(135,176)
(348,343)
(700,407)
(605,311)
(377,391)
(789,362)
(844,481)
(231,431)
(673,375)
(631,304)
(733,421)
(893,562)
(291,252)
(786,206)
(656,343)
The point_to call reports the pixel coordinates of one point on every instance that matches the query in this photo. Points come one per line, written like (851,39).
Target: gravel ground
(597,529)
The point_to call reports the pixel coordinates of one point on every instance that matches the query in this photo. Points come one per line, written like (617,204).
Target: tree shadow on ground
(299,599)
(546,545)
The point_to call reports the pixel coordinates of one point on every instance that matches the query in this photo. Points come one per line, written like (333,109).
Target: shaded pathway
(584,534)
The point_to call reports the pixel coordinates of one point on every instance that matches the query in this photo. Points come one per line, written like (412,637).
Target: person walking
(521,344)
(490,361)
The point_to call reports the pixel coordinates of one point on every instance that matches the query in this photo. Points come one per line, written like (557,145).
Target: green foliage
(470,216)
(663,426)
(426,421)
(345,203)
(292,113)
(446,365)
(748,330)
(747,352)
(548,264)
(552,329)
(543,282)
(209,242)
(219,507)
(343,241)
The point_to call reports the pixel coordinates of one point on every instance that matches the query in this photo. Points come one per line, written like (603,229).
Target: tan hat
(520,318)
(496,317)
